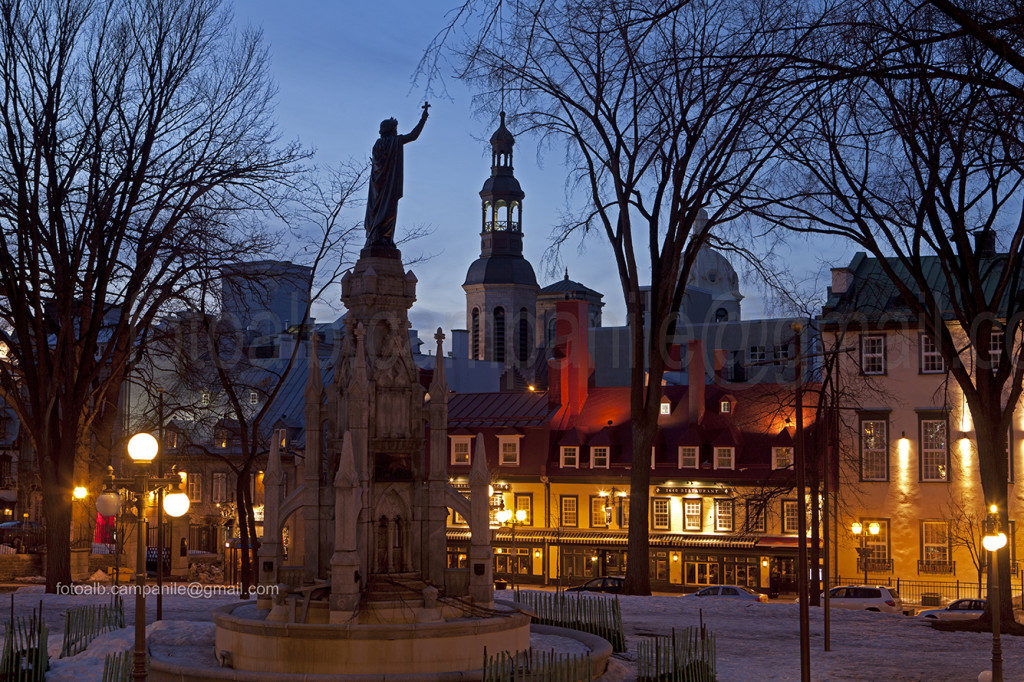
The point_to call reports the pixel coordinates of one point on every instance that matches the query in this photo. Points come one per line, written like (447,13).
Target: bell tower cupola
(501,287)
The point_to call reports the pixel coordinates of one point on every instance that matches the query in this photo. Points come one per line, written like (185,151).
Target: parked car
(881,598)
(961,609)
(608,583)
(729,592)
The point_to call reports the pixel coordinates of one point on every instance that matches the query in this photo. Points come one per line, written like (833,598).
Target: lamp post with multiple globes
(863,551)
(142,449)
(506,516)
(993,541)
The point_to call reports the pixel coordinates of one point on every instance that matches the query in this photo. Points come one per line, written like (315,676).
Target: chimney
(572,354)
(985,243)
(842,280)
(696,379)
(721,358)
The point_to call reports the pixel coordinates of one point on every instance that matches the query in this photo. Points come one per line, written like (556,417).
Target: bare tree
(662,109)
(135,134)
(914,146)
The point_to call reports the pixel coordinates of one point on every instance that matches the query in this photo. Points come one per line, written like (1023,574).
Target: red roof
(497,410)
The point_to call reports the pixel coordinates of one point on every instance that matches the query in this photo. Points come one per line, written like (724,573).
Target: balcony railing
(936,567)
(501,226)
(874,565)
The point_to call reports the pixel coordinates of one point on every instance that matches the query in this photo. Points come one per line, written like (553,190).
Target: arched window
(524,336)
(499,335)
(721,315)
(475,331)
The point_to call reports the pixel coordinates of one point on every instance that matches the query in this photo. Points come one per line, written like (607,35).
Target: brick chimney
(570,368)
(721,359)
(696,378)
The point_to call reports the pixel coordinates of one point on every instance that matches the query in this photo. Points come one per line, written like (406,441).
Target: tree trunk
(991,439)
(245,570)
(57,509)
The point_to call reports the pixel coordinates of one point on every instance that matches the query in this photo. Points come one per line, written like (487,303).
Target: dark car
(611,583)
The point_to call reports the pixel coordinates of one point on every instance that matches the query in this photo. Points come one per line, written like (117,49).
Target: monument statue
(386,181)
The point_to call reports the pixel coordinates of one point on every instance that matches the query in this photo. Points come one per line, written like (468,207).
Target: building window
(723,516)
(692,514)
(568,506)
(931,359)
(570,457)
(755,517)
(725,407)
(220,438)
(598,519)
(790,516)
(725,458)
(872,354)
(499,335)
(758,353)
(661,519)
(282,438)
(460,450)
(666,408)
(524,501)
(874,450)
(780,354)
(475,331)
(254,398)
(524,336)
(171,440)
(934,455)
(995,348)
(687,457)
(599,457)
(221,491)
(782,458)
(204,399)
(509,450)
(194,487)
(935,543)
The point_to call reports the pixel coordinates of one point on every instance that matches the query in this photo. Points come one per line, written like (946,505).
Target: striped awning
(609,538)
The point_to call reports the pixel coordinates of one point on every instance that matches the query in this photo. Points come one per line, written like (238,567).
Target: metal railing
(876,565)
(936,567)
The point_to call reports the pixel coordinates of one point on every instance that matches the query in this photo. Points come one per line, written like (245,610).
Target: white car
(961,609)
(881,598)
(729,592)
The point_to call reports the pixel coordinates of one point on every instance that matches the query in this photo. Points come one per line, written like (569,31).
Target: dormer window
(509,448)
(666,407)
(725,458)
(725,407)
(460,449)
(570,457)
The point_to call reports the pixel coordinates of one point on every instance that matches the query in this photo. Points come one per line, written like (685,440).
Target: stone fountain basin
(247,642)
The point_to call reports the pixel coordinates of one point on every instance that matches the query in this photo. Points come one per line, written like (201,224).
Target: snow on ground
(754,641)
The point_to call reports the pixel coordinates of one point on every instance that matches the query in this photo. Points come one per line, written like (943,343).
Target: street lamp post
(863,552)
(142,448)
(994,541)
(506,516)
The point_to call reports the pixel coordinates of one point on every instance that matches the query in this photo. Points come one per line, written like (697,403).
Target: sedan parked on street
(961,609)
(611,583)
(739,592)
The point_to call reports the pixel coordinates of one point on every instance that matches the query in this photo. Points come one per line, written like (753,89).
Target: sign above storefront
(689,490)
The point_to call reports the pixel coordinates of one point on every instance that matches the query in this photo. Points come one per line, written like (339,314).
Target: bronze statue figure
(386,181)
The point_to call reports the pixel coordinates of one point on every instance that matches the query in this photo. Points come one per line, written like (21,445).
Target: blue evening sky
(342,67)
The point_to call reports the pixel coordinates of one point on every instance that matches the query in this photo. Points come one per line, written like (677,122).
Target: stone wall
(20,566)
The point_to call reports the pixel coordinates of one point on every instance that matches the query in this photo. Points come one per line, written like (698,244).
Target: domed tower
(501,288)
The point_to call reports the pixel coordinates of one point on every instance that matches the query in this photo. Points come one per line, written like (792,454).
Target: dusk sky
(342,67)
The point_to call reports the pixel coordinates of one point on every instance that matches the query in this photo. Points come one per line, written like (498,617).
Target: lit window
(723,515)
(692,514)
(687,457)
(525,503)
(220,438)
(877,546)
(874,450)
(599,457)
(570,457)
(934,460)
(597,512)
(666,408)
(790,516)
(935,542)
(282,438)
(171,439)
(221,491)
(568,505)
(782,458)
(194,487)
(872,354)
(726,407)
(460,450)
(931,359)
(755,517)
(660,517)
(725,458)
(995,348)
(509,450)
(254,398)
(204,399)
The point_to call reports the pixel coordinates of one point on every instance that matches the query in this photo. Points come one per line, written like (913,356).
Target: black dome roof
(504,185)
(502,140)
(501,269)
